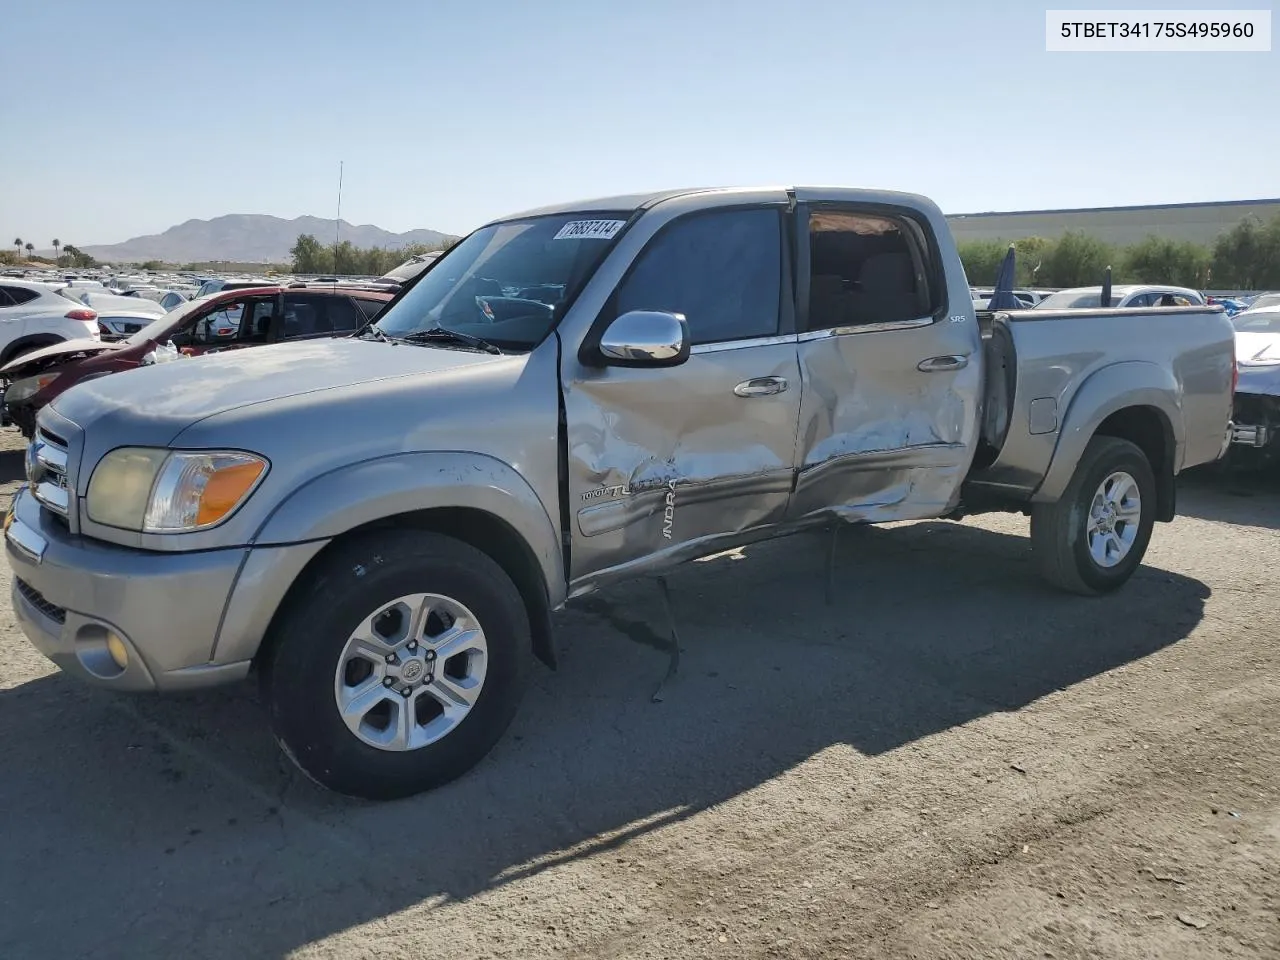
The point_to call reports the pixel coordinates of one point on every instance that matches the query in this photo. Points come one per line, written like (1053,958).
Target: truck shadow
(176,827)
(1248,497)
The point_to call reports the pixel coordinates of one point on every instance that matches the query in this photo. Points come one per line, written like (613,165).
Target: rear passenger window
(17,296)
(865,269)
(722,270)
(303,317)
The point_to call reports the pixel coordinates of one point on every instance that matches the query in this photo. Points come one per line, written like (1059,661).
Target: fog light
(119,652)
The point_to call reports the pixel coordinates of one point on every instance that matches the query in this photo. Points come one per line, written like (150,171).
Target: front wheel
(398,665)
(1094,537)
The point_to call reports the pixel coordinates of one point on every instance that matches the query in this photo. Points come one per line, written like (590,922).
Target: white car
(107,302)
(983,295)
(1256,417)
(1122,295)
(116,324)
(32,316)
(166,298)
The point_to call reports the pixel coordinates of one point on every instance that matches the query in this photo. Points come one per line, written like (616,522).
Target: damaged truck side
(382,524)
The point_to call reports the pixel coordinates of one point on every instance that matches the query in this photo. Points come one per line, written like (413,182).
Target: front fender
(1134,383)
(362,493)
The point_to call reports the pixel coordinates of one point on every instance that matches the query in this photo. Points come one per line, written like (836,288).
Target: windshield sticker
(590,230)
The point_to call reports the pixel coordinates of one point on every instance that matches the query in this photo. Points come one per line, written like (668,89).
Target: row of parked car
(59,330)
(60,344)
(1124,296)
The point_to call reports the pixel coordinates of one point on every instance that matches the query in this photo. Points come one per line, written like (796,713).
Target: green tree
(1162,260)
(17,243)
(981,259)
(345,259)
(30,248)
(1247,257)
(57,244)
(1030,260)
(1076,260)
(77,257)
(307,253)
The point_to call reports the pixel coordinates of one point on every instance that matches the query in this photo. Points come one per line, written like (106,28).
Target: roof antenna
(337,224)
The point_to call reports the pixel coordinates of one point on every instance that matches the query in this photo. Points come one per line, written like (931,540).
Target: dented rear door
(662,462)
(891,381)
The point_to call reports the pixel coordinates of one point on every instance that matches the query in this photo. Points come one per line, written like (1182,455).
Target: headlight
(162,491)
(22,390)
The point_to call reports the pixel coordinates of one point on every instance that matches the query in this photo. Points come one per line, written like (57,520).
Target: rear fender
(362,493)
(1113,388)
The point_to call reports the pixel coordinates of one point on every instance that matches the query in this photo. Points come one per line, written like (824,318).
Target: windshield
(171,320)
(1257,321)
(1075,300)
(507,283)
(1266,300)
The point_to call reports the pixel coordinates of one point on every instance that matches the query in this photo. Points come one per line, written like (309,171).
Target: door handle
(934,364)
(761,386)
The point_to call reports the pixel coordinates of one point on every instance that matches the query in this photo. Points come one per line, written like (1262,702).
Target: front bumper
(1256,420)
(1249,435)
(70,592)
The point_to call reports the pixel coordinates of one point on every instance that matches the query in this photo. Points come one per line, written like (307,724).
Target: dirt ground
(950,760)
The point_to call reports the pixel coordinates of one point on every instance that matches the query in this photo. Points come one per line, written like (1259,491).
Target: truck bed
(1039,362)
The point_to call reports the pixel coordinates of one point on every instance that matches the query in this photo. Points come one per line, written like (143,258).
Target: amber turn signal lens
(226,488)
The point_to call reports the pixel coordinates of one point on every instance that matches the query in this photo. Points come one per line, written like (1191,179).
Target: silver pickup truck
(383,524)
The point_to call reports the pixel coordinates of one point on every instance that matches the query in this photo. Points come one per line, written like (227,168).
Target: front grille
(52,438)
(34,597)
(47,472)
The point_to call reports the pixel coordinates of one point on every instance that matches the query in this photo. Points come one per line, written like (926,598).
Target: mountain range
(248,238)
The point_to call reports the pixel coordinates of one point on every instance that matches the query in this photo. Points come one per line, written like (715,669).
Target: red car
(225,321)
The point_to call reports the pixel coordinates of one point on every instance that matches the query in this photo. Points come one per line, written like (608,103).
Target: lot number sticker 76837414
(590,230)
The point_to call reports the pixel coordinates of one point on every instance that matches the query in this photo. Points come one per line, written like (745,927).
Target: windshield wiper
(443,333)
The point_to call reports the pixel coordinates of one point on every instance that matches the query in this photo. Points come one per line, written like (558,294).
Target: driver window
(722,270)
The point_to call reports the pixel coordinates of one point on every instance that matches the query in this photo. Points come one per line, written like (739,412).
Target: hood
(153,404)
(1257,348)
(66,348)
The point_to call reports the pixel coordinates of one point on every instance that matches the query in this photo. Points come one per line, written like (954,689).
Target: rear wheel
(398,666)
(1094,537)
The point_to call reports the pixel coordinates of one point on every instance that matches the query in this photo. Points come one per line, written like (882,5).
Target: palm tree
(30,250)
(17,242)
(56,245)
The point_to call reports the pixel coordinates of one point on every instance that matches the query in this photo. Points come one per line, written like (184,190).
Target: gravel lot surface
(950,760)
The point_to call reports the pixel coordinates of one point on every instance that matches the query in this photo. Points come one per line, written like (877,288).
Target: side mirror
(646,338)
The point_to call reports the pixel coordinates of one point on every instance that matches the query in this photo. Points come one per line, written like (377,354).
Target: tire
(302,684)
(26,348)
(1060,536)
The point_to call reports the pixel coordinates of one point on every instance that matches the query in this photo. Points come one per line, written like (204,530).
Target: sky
(128,117)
